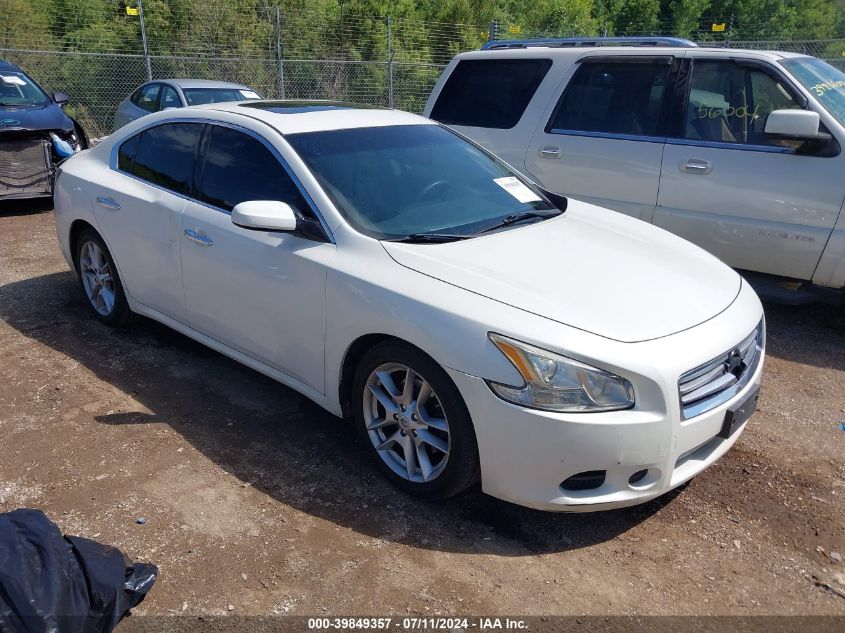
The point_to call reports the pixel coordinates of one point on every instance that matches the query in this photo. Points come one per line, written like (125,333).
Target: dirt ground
(256,499)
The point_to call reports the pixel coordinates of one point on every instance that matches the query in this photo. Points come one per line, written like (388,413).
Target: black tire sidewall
(120,313)
(462,468)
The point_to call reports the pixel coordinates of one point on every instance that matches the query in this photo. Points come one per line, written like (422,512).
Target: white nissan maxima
(474,326)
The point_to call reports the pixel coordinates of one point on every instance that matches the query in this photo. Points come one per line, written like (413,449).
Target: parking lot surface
(256,501)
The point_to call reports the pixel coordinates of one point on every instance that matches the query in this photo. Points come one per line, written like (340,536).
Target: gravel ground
(258,502)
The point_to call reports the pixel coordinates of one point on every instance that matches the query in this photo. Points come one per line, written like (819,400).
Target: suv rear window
(489,93)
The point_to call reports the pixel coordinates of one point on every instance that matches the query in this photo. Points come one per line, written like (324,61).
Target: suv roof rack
(564,42)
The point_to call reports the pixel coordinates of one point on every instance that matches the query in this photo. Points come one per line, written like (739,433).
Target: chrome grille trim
(709,385)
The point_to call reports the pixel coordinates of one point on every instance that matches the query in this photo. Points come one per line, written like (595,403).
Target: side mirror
(60,98)
(793,124)
(264,215)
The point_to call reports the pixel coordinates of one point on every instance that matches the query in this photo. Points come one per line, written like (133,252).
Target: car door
(757,202)
(259,292)
(138,204)
(602,140)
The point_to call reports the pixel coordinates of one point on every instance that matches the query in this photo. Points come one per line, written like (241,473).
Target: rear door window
(169,98)
(126,153)
(146,97)
(239,167)
(491,93)
(620,97)
(166,155)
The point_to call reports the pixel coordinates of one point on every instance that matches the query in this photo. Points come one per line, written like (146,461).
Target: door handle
(550,151)
(697,166)
(108,203)
(202,240)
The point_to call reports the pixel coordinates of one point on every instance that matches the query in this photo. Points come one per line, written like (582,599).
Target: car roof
(7,65)
(201,83)
(576,51)
(292,116)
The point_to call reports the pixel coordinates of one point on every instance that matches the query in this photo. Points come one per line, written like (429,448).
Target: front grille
(717,381)
(25,167)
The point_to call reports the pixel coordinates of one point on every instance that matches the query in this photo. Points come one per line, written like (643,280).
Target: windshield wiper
(429,238)
(513,218)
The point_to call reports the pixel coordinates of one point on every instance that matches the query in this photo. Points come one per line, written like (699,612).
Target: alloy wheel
(97,278)
(406,422)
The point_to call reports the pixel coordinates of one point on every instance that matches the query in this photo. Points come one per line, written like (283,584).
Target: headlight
(556,383)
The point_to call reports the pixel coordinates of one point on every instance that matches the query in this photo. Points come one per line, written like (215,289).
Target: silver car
(178,93)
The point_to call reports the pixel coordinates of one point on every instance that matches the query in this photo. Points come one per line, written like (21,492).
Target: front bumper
(526,454)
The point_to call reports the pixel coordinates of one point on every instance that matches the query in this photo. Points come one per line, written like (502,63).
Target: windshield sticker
(517,189)
(825,86)
(12,80)
(249,94)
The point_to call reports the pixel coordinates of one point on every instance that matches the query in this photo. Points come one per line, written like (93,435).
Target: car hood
(590,268)
(34,118)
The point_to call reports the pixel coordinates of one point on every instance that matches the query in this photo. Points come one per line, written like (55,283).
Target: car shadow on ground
(29,206)
(809,334)
(278,441)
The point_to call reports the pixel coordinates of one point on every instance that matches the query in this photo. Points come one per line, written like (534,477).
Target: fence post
(279,62)
(144,41)
(389,62)
(730,31)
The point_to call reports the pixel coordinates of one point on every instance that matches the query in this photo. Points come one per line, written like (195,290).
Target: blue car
(35,135)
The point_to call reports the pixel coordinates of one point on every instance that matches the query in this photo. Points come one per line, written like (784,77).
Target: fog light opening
(644,478)
(638,476)
(588,480)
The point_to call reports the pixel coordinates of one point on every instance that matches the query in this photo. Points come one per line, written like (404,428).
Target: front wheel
(414,422)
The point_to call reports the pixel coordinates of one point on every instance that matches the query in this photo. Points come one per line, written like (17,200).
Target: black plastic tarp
(63,584)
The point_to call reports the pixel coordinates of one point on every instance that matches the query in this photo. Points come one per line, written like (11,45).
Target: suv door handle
(202,240)
(550,151)
(697,166)
(108,203)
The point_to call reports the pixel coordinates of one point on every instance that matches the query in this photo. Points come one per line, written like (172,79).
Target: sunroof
(296,107)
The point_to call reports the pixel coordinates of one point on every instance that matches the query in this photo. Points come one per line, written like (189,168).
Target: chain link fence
(306,54)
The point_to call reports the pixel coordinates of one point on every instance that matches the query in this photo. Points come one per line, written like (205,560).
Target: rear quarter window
(491,93)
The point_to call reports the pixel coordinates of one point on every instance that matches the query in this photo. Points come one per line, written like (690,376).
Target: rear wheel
(414,422)
(99,279)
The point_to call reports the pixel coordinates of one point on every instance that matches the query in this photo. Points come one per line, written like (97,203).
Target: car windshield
(825,83)
(199,96)
(17,90)
(397,181)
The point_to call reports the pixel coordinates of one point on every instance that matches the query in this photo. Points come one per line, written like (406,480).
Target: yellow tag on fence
(718,28)
(131,11)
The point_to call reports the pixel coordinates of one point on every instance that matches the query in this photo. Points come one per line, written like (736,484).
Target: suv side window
(491,93)
(169,98)
(146,97)
(166,155)
(730,102)
(239,167)
(614,97)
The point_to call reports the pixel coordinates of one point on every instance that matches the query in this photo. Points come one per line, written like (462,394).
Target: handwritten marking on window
(742,112)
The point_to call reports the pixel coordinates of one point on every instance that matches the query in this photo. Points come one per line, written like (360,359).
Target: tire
(99,280)
(438,432)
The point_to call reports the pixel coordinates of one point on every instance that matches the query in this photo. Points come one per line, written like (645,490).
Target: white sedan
(474,326)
